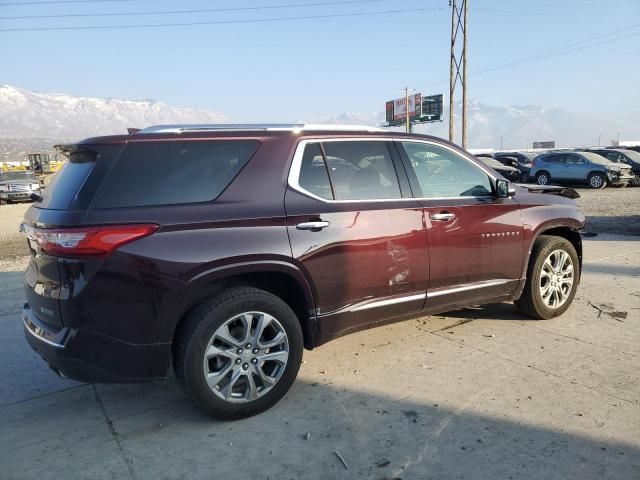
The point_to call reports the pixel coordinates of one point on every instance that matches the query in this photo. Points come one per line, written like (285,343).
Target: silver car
(579,167)
(18,186)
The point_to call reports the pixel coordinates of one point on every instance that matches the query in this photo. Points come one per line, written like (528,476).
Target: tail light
(86,241)
(533,163)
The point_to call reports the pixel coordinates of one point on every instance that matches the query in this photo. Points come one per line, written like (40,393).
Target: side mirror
(504,189)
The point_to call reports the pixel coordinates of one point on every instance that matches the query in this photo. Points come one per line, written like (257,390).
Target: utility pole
(406,105)
(458,64)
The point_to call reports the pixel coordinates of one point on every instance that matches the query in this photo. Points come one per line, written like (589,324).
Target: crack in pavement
(114,434)
(17,402)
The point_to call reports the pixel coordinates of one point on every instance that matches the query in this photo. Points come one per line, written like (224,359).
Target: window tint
(442,173)
(552,158)
(361,170)
(313,172)
(163,173)
(573,159)
(74,186)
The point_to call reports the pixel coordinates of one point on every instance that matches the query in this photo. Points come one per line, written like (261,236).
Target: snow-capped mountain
(25,114)
(518,126)
(30,121)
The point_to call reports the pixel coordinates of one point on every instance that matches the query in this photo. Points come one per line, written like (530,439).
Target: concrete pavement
(481,393)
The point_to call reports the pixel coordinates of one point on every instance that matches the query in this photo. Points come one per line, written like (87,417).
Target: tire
(531,302)
(524,177)
(543,178)
(200,334)
(597,180)
(635,182)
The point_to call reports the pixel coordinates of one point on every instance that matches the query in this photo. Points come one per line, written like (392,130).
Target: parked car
(619,155)
(579,167)
(18,186)
(246,245)
(520,160)
(506,171)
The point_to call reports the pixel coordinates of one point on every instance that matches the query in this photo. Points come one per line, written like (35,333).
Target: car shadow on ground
(494,311)
(160,434)
(619,225)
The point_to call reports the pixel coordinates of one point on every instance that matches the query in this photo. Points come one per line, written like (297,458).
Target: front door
(476,247)
(356,232)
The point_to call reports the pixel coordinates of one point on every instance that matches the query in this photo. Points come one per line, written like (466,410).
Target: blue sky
(289,70)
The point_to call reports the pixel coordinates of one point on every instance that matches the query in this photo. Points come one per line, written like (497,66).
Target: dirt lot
(477,394)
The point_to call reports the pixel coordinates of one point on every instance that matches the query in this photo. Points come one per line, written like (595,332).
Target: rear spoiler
(552,189)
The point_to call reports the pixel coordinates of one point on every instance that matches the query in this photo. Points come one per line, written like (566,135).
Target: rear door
(554,164)
(475,239)
(575,167)
(356,232)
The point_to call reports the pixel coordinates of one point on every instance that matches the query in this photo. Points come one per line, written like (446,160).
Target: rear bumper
(91,357)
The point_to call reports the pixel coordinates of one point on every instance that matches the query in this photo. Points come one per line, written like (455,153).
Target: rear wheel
(597,180)
(543,178)
(239,353)
(524,177)
(552,278)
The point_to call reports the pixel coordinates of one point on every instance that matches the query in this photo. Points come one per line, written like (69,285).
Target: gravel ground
(613,210)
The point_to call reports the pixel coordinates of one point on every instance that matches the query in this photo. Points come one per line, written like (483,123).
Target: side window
(614,157)
(361,170)
(443,173)
(313,172)
(165,173)
(573,159)
(555,158)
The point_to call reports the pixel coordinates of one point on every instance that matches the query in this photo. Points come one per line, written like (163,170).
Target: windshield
(17,176)
(595,158)
(632,154)
(491,162)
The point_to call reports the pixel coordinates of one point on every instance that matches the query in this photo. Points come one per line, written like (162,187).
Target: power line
(207,10)
(65,1)
(216,22)
(569,48)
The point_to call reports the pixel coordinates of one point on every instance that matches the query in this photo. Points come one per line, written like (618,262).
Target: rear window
(166,173)
(72,188)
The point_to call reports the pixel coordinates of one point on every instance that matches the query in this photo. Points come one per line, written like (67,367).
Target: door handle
(442,217)
(315,226)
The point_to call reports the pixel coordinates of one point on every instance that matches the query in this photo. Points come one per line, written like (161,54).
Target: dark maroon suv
(226,250)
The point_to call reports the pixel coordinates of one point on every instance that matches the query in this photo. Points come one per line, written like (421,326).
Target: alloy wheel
(596,181)
(556,279)
(245,357)
(543,179)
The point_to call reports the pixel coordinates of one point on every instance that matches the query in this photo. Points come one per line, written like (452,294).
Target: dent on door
(366,266)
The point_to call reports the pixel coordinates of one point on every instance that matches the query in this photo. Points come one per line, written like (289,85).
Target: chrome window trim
(387,302)
(293,179)
(466,288)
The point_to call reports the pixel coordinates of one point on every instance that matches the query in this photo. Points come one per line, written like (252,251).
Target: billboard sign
(548,144)
(400,107)
(421,109)
(432,108)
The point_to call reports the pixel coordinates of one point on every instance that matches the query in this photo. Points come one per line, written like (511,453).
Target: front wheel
(524,177)
(597,180)
(239,352)
(552,278)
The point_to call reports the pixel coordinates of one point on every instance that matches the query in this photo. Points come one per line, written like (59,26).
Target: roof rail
(184,128)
